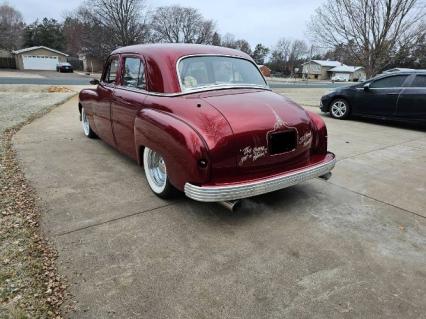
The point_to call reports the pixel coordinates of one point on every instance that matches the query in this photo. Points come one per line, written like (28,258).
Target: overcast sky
(254,20)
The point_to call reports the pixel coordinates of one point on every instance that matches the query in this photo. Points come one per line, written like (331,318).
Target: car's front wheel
(86,125)
(340,109)
(156,174)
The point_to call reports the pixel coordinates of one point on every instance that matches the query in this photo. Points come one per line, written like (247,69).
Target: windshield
(215,71)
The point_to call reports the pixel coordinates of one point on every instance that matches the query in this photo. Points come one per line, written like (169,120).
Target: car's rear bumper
(227,192)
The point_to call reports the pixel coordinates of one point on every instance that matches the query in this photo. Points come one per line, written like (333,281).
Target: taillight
(319,144)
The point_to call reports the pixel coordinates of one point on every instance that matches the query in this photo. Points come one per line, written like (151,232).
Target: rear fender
(86,99)
(319,143)
(182,148)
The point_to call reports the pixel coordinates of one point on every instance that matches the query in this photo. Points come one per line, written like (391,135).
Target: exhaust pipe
(231,205)
(326,177)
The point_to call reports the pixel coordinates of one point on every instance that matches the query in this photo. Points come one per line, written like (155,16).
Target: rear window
(218,71)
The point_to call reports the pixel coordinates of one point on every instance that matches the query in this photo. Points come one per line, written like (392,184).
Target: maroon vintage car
(202,120)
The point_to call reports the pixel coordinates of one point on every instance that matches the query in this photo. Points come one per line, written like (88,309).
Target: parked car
(397,96)
(64,67)
(202,119)
(340,78)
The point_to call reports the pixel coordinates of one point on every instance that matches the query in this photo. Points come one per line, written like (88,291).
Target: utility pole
(309,62)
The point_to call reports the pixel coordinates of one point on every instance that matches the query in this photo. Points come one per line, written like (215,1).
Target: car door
(412,100)
(102,108)
(379,97)
(128,99)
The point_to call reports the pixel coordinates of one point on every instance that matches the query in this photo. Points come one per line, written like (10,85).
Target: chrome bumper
(250,189)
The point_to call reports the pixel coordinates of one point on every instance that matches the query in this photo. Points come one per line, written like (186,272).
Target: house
(347,73)
(318,69)
(38,58)
(265,70)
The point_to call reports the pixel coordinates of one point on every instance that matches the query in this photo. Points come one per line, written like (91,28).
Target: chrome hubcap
(157,168)
(85,122)
(339,109)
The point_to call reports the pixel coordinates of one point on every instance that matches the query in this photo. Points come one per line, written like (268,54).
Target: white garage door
(40,62)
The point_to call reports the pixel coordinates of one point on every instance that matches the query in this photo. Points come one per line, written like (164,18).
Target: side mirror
(367,86)
(94,82)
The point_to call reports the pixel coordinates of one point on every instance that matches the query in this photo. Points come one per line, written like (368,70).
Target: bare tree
(298,51)
(229,41)
(73,29)
(100,26)
(124,18)
(11,28)
(373,30)
(287,54)
(178,24)
(244,46)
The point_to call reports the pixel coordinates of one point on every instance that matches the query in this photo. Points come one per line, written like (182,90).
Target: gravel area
(16,107)
(29,284)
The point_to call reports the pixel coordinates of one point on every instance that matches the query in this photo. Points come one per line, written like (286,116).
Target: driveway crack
(110,220)
(377,200)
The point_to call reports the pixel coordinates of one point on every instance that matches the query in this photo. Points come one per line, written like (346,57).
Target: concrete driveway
(354,246)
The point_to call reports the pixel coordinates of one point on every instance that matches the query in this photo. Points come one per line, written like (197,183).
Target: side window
(419,81)
(111,72)
(134,73)
(389,82)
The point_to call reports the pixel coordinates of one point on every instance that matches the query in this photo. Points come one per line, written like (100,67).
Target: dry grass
(30,286)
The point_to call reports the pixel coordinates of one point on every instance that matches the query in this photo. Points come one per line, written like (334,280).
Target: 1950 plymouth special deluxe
(202,120)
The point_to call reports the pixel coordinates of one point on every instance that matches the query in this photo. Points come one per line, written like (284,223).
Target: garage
(39,58)
(35,62)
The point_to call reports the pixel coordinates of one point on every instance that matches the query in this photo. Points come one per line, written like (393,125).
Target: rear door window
(419,81)
(389,82)
(134,73)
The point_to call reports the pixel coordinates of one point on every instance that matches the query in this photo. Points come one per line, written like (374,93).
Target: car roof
(418,71)
(384,75)
(161,59)
(178,50)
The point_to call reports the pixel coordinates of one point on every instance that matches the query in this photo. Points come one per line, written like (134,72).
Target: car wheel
(86,125)
(156,174)
(340,109)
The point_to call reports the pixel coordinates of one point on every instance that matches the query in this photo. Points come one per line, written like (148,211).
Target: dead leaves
(58,89)
(29,281)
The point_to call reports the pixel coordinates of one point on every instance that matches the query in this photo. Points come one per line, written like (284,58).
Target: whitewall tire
(87,130)
(156,173)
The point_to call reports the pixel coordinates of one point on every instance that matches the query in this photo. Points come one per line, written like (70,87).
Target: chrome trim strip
(136,90)
(250,189)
